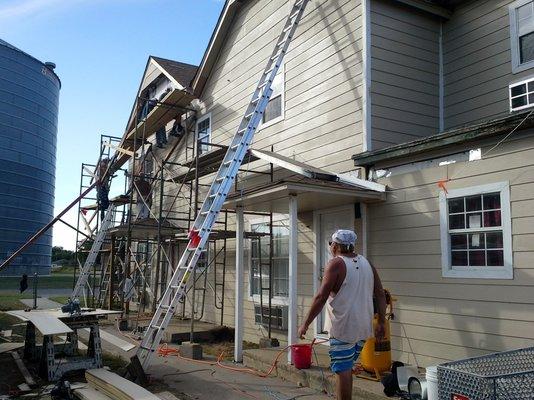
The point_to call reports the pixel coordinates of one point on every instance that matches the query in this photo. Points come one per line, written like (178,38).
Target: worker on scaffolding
(348,287)
(144,199)
(102,187)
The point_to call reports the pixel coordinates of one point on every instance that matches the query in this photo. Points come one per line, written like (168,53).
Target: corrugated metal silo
(29,94)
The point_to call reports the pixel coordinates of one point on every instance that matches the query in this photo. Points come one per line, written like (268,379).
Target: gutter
(451,137)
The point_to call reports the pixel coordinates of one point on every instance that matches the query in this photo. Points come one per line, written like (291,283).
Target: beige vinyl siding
(441,318)
(477,63)
(404,73)
(322,112)
(323,82)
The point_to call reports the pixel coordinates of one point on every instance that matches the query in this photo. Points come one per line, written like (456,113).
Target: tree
(60,254)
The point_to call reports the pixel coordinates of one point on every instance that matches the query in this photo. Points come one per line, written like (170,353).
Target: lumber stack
(116,387)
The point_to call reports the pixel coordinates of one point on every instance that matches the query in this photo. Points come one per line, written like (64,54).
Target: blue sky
(101,48)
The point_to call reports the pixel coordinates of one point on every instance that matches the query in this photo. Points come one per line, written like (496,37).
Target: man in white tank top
(349,284)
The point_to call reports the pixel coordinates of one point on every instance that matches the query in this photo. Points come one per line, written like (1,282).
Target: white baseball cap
(344,236)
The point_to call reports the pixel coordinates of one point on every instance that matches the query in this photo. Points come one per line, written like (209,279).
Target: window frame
(527,93)
(255,298)
(282,75)
(486,272)
(517,66)
(197,139)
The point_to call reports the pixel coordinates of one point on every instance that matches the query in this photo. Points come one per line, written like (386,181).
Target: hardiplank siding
(443,318)
(323,80)
(404,73)
(477,62)
(322,123)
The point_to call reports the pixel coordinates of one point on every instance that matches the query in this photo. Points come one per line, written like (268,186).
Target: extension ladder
(95,249)
(218,191)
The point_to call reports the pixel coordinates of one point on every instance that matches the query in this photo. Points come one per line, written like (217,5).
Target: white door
(328,222)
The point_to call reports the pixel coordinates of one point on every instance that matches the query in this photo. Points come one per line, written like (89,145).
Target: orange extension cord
(165,351)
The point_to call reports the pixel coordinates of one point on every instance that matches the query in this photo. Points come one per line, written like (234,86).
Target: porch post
(293,256)
(239,275)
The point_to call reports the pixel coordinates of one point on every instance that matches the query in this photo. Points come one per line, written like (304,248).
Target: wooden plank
(117,387)
(5,347)
(89,393)
(23,370)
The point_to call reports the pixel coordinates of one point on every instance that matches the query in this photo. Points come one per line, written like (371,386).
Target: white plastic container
(432,383)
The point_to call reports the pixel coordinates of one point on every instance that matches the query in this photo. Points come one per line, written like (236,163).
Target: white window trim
(201,119)
(505,272)
(281,72)
(255,298)
(514,38)
(522,82)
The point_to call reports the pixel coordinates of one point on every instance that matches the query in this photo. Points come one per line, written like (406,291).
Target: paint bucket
(432,383)
(301,355)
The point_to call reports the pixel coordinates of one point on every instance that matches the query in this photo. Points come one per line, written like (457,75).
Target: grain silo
(29,94)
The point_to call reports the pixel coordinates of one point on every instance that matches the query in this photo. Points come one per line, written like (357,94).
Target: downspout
(441,81)
(366,75)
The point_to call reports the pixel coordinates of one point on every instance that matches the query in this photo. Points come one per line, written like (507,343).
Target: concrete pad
(318,377)
(267,343)
(188,379)
(191,350)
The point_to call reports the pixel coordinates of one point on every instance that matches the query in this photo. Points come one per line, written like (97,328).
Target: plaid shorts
(343,355)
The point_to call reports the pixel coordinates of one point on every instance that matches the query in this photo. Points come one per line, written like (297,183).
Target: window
(522,34)
(522,95)
(260,256)
(204,133)
(274,111)
(476,237)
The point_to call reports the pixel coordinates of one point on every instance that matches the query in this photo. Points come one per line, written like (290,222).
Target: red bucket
(301,355)
(194,238)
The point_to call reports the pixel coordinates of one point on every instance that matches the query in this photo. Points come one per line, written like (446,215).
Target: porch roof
(312,194)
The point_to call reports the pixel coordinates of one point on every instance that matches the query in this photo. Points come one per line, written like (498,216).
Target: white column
(293,257)
(365,227)
(239,276)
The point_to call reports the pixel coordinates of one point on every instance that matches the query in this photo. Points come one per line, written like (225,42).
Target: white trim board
(312,172)
(486,272)
(114,340)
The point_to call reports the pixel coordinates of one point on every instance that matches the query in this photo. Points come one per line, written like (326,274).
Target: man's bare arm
(330,278)
(380,297)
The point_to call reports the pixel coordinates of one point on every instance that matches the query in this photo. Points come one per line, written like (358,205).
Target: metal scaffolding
(140,254)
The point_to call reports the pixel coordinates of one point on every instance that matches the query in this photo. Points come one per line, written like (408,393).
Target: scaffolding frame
(140,265)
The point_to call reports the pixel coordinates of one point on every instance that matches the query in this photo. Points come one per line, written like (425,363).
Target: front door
(328,222)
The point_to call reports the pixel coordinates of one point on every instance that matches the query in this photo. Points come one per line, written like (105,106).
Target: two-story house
(420,100)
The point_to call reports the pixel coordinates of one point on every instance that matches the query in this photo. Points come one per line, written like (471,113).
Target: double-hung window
(204,133)
(522,34)
(260,259)
(476,239)
(274,111)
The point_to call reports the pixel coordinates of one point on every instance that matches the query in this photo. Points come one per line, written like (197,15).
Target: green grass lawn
(59,299)
(11,301)
(53,281)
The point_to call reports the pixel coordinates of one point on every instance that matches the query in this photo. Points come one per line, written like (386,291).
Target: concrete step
(318,378)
